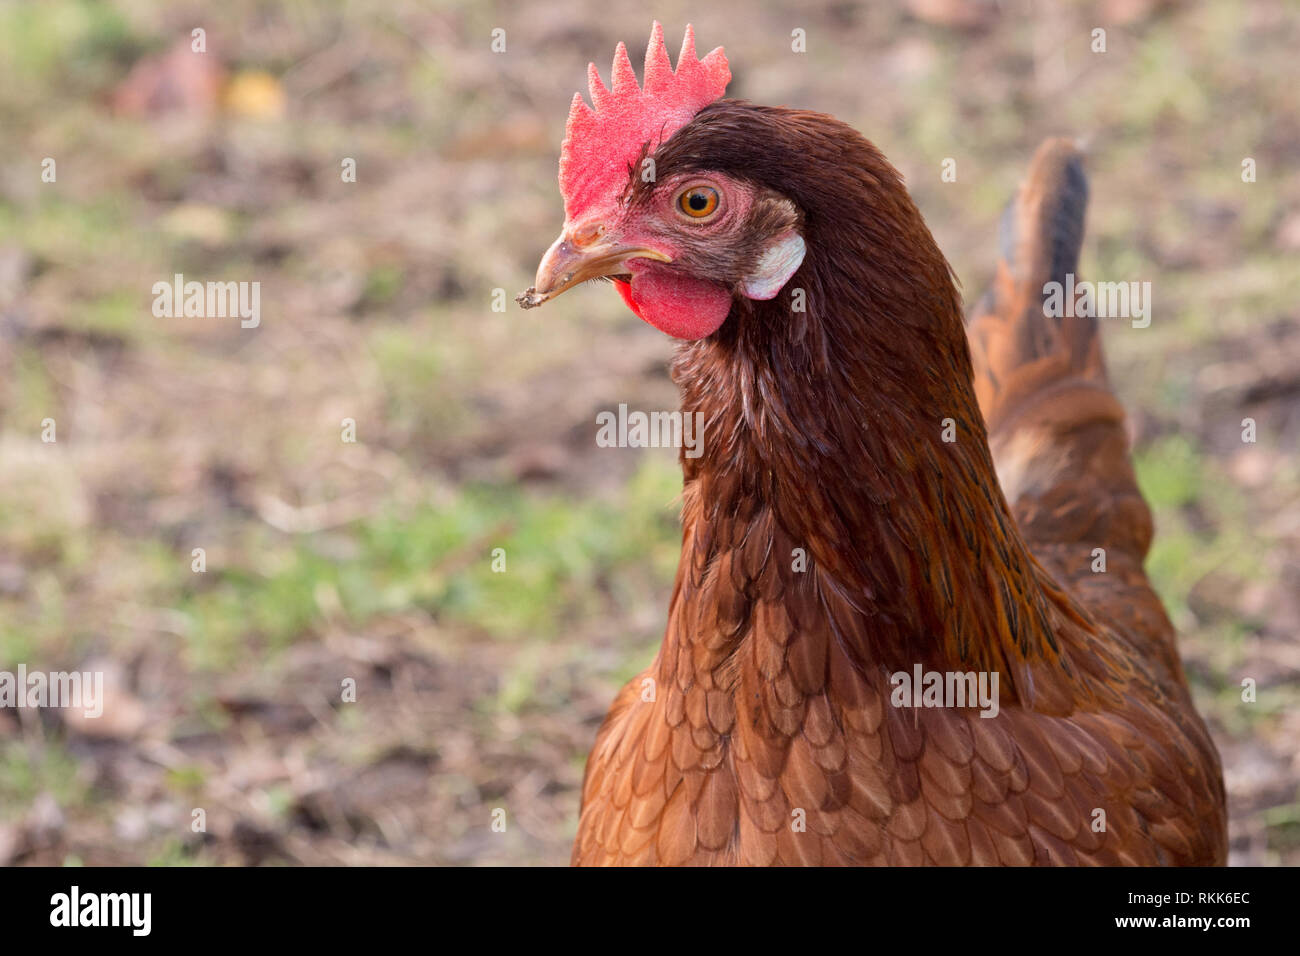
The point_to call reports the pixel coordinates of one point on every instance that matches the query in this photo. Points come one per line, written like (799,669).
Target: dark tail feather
(1056,430)
(1042,228)
(1018,349)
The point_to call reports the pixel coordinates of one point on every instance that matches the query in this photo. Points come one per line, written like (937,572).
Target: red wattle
(681,307)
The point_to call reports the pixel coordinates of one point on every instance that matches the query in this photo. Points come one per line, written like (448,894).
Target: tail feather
(1020,351)
(1055,427)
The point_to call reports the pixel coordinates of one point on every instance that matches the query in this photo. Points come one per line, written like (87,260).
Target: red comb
(600,144)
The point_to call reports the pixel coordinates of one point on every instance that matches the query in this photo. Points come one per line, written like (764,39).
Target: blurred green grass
(564,560)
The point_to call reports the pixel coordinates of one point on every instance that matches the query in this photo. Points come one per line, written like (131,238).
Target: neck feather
(846,472)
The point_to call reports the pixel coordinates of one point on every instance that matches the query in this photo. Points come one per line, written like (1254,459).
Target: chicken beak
(568,263)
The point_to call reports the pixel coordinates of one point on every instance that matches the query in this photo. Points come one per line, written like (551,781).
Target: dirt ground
(328,561)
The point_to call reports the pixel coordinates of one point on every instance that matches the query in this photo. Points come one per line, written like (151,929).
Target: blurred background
(328,560)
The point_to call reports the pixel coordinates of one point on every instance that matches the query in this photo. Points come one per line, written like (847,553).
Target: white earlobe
(775,267)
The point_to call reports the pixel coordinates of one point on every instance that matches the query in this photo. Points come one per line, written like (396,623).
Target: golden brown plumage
(832,537)
(771,692)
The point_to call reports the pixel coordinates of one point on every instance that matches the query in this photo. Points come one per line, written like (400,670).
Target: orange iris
(698,201)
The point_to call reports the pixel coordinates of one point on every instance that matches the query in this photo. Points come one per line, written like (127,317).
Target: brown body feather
(770,737)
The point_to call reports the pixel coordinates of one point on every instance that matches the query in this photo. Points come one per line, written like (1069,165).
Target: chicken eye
(698,201)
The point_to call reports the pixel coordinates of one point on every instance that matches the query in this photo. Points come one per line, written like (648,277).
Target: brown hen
(848,521)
